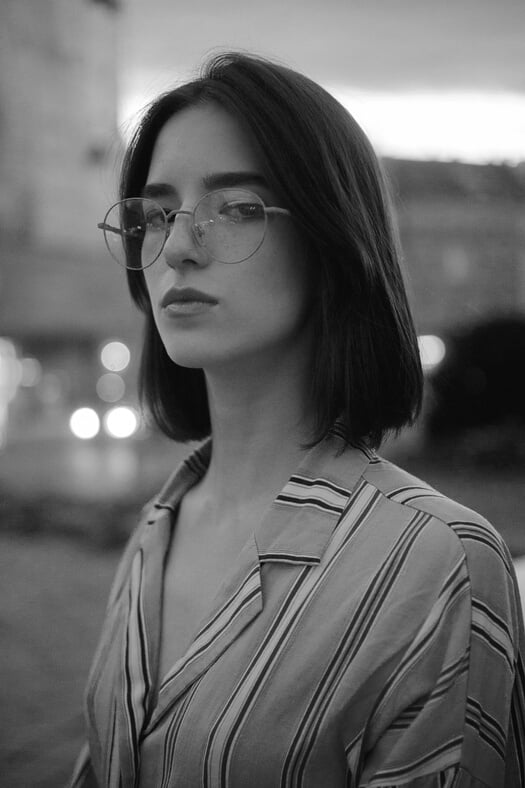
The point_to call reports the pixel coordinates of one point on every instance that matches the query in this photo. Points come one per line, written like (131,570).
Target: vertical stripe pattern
(351,645)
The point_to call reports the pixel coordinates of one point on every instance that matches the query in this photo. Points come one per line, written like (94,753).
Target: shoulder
(433,550)
(390,504)
(448,528)
(156,513)
(414,495)
(397,505)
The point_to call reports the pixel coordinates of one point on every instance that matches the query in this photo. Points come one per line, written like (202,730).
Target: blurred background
(439,88)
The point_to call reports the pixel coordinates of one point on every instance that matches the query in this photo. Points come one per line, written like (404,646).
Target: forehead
(199,141)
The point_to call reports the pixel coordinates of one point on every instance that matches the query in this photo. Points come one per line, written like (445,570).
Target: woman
(292,610)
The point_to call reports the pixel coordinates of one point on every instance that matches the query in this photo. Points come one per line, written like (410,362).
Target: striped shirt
(369,634)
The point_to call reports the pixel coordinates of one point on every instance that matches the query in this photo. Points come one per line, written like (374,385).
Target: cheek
(290,277)
(279,292)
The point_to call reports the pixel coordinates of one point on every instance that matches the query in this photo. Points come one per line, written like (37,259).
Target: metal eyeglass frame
(196,231)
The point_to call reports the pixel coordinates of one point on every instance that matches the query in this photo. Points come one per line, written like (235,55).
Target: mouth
(186,300)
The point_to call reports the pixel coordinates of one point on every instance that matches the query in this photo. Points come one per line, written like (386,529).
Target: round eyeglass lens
(135,232)
(230,224)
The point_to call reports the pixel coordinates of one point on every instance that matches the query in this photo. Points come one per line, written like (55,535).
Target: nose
(181,247)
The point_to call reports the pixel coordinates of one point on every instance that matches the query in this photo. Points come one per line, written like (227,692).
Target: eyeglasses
(229,223)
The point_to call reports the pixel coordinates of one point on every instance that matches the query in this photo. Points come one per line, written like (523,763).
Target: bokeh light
(110,387)
(432,350)
(115,356)
(84,423)
(121,422)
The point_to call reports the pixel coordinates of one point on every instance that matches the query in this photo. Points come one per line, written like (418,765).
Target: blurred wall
(59,149)
(462,226)
(463,236)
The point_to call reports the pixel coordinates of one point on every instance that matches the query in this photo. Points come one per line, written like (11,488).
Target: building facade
(59,150)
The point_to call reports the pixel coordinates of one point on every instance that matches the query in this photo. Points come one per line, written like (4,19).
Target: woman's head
(232,290)
(317,164)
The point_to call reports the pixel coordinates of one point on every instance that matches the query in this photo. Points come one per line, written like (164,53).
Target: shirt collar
(299,523)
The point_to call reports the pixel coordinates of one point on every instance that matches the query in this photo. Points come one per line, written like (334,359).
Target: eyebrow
(219,180)
(225,180)
(158,190)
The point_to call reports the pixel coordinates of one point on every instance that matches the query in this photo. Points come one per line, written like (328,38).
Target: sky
(440,79)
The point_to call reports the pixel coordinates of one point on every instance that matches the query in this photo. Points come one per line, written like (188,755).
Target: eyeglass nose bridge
(196,230)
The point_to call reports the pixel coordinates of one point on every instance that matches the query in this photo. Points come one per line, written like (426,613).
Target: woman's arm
(453,712)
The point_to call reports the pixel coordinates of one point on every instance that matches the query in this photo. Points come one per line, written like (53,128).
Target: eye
(154,218)
(136,232)
(242,210)
(132,224)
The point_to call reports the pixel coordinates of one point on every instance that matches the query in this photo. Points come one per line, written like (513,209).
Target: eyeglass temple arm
(109,228)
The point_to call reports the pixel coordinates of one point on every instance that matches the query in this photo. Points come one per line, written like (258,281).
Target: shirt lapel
(299,524)
(296,530)
(237,603)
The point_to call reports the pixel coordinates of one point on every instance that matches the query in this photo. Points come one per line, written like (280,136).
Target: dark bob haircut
(366,371)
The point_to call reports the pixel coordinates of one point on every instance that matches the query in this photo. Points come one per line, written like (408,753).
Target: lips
(176,295)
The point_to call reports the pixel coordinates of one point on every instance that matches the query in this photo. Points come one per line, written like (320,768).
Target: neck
(259,420)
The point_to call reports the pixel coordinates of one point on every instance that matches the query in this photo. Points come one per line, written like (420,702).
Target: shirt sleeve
(83,776)
(83,773)
(452,713)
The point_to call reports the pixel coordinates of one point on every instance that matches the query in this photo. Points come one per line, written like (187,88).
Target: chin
(193,354)
(208,356)
(191,360)
(187,349)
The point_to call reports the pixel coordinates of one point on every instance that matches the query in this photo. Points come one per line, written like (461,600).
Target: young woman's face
(253,310)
